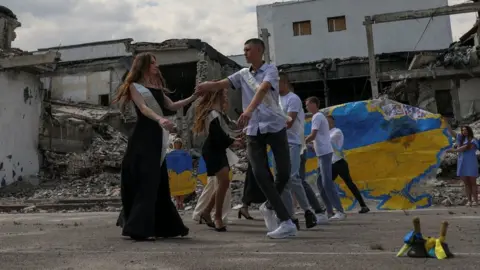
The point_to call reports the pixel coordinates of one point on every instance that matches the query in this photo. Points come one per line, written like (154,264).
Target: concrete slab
(91,241)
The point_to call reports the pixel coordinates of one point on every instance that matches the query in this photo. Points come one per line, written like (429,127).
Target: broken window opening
(444,102)
(104,100)
(303,28)
(181,80)
(336,24)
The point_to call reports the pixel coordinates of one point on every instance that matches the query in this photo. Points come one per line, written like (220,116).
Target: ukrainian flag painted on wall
(390,148)
(180,167)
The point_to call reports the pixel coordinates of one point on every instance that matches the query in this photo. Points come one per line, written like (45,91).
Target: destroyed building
(21,108)
(86,79)
(444,81)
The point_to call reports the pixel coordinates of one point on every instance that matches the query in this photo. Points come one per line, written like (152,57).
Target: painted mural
(390,148)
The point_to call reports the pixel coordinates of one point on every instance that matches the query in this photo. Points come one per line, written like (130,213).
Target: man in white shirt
(320,136)
(264,123)
(292,105)
(340,165)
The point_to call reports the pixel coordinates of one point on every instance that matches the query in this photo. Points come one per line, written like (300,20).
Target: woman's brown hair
(469,134)
(205,105)
(140,68)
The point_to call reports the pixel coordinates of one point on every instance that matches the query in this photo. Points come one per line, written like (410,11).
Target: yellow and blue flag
(202,171)
(180,167)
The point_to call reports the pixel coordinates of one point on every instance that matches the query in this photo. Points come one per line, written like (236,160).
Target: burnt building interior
(180,79)
(346,80)
(339,91)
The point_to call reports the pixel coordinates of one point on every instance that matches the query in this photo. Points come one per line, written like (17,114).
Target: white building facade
(310,30)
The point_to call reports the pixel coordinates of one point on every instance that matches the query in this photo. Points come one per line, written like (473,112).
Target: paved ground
(91,241)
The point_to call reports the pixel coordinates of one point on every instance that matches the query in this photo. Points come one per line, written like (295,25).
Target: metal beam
(265,36)
(372,64)
(29,60)
(424,13)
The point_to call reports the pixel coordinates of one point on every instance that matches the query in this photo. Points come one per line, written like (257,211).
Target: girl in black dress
(211,120)
(148,210)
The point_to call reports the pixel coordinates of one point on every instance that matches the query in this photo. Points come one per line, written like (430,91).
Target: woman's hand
(166,124)
(238,143)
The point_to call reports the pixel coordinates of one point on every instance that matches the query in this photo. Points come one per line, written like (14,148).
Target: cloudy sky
(223,23)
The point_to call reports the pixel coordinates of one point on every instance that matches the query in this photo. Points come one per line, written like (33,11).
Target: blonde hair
(139,73)
(205,105)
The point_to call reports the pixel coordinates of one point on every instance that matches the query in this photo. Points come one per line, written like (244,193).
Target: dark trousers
(257,155)
(311,197)
(340,168)
(251,192)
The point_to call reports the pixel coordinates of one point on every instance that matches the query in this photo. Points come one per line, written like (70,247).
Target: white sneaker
(269,217)
(286,229)
(321,219)
(339,216)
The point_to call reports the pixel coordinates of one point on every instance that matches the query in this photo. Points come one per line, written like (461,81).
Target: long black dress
(148,210)
(215,146)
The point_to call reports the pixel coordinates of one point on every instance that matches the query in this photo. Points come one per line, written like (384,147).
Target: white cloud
(225,24)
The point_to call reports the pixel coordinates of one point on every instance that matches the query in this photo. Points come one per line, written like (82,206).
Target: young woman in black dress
(148,210)
(211,120)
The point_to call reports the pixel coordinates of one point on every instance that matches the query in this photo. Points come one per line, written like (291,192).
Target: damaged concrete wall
(469,97)
(20,111)
(426,93)
(92,50)
(81,87)
(85,87)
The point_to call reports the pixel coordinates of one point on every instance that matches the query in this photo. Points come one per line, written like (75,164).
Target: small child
(178,145)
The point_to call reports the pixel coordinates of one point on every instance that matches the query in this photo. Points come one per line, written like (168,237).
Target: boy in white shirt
(340,165)
(320,136)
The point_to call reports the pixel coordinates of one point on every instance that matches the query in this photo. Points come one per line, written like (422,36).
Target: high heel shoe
(203,219)
(244,212)
(222,228)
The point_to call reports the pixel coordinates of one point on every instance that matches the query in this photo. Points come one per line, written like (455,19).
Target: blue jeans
(328,190)
(294,184)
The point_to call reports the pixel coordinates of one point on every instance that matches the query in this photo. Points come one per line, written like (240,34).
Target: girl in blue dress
(467,165)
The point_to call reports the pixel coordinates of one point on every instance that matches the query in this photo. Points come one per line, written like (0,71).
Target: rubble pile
(459,57)
(448,193)
(8,53)
(94,173)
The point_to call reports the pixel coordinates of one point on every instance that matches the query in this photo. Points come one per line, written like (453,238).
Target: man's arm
(271,79)
(294,106)
(315,127)
(213,86)
(311,137)
(337,139)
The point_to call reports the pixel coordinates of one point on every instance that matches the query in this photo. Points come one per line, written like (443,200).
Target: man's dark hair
(313,100)
(256,41)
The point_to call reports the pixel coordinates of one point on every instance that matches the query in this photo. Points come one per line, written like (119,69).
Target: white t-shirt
(336,137)
(292,103)
(321,143)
